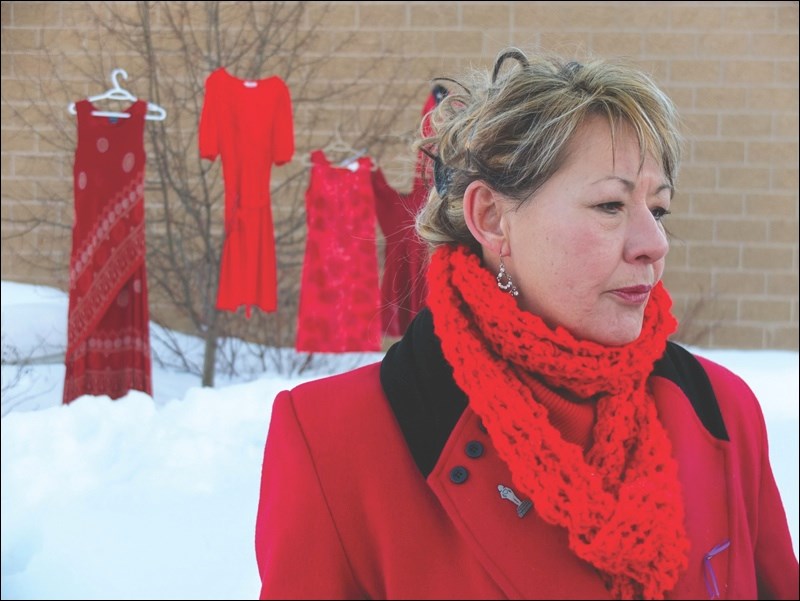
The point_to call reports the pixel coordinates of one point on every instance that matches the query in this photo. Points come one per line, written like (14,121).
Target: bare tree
(173,47)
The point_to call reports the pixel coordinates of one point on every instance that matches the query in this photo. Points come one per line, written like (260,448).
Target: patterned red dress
(108,341)
(248,123)
(339,295)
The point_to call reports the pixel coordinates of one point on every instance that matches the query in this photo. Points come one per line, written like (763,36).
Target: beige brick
(383,15)
(786,19)
(690,228)
(771,205)
(696,178)
(678,254)
(40,166)
(617,44)
(737,337)
(745,125)
(701,124)
(765,310)
(782,337)
(739,230)
(705,256)
(749,72)
(766,257)
(782,284)
(786,73)
(785,125)
(740,17)
(772,99)
(701,71)
(334,15)
(21,40)
(693,17)
(723,45)
(784,179)
(483,16)
(682,281)
(783,231)
(744,178)
(778,45)
(18,140)
(772,153)
(671,44)
(441,15)
(720,98)
(35,14)
(718,152)
(458,42)
(571,44)
(740,282)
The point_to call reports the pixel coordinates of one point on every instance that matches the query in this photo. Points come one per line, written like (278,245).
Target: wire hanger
(117,92)
(339,145)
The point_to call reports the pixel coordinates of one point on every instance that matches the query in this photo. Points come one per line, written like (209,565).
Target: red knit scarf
(621,502)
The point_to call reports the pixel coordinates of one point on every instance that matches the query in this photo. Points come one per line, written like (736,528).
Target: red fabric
(621,502)
(249,124)
(108,340)
(404,289)
(339,295)
(341,493)
(403,285)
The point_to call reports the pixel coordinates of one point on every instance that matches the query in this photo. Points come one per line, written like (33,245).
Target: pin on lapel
(522,506)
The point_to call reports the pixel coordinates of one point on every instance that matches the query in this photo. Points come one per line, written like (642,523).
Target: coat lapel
(527,558)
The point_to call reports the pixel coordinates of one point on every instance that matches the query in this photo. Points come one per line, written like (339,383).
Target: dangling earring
(504,280)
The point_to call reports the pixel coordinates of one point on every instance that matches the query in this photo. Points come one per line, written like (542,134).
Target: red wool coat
(346,513)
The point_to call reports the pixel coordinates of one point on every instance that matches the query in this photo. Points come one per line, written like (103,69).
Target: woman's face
(588,246)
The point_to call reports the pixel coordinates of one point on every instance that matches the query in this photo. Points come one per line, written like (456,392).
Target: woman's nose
(646,239)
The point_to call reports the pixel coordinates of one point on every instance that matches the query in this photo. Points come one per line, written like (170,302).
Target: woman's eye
(612,208)
(660,212)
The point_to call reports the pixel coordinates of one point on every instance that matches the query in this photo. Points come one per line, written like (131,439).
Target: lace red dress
(248,123)
(108,341)
(339,295)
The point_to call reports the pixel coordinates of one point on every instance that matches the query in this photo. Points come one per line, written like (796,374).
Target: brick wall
(732,69)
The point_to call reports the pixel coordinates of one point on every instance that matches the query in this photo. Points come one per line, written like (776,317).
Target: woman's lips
(633,295)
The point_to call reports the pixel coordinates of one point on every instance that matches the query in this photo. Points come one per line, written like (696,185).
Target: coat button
(458,475)
(474,449)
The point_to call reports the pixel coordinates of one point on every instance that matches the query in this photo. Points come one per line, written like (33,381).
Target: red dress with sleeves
(108,339)
(249,124)
(339,295)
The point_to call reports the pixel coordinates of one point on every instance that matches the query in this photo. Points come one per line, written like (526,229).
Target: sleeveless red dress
(249,124)
(108,340)
(404,288)
(339,295)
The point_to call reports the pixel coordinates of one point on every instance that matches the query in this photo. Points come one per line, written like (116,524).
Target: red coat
(345,512)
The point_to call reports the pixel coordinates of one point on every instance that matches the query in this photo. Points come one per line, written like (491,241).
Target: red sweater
(346,511)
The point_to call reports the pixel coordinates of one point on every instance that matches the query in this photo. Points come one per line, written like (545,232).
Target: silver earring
(504,280)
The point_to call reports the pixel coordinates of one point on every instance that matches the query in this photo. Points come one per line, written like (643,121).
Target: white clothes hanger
(117,92)
(338,145)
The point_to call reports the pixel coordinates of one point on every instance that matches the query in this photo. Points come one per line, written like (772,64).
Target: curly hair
(511,128)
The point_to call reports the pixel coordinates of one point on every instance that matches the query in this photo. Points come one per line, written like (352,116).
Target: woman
(534,434)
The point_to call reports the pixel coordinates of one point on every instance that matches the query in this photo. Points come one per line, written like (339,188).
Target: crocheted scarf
(620,501)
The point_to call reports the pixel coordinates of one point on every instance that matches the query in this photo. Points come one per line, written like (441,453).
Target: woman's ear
(483,213)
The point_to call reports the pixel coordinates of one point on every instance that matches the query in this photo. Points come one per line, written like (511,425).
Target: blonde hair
(512,130)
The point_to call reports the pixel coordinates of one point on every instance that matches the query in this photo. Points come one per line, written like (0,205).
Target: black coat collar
(427,403)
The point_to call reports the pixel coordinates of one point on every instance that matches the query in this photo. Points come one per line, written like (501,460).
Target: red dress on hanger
(248,123)
(339,294)
(403,286)
(404,290)
(108,339)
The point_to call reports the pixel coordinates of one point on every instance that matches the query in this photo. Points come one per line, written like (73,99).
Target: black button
(458,475)
(473,449)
